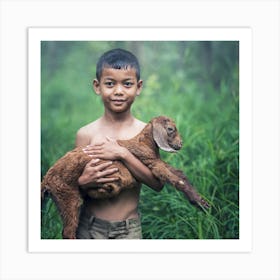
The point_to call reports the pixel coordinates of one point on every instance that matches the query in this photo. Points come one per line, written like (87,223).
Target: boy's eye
(128,84)
(109,84)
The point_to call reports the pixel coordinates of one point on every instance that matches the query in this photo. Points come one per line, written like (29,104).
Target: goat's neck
(142,145)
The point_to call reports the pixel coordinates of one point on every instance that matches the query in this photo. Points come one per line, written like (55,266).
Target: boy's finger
(96,144)
(92,149)
(103,168)
(95,160)
(107,180)
(108,172)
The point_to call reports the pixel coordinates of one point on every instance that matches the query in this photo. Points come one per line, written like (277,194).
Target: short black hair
(117,59)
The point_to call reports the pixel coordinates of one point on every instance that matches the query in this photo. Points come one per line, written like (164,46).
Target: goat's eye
(170,129)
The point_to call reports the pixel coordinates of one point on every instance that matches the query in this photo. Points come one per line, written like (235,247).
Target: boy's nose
(119,90)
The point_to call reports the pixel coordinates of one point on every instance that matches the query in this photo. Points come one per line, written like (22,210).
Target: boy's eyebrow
(126,79)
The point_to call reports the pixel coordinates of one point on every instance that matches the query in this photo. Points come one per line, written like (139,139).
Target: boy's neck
(121,118)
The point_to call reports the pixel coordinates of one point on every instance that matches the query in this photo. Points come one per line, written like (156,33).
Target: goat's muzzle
(176,144)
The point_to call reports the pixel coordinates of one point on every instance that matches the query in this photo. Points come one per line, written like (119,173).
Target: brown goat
(61,179)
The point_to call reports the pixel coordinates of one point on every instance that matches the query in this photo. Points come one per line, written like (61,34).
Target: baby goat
(61,179)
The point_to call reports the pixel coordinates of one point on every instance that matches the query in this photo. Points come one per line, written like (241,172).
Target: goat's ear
(160,137)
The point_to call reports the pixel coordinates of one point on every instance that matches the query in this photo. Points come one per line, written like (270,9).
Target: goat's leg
(68,201)
(167,174)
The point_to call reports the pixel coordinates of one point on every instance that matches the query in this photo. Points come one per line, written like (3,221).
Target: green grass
(209,158)
(208,120)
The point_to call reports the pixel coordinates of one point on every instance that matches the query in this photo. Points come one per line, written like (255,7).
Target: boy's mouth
(118,101)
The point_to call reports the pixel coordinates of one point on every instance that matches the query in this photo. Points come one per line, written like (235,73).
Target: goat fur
(61,180)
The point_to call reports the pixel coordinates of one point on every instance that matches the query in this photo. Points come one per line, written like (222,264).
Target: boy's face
(118,88)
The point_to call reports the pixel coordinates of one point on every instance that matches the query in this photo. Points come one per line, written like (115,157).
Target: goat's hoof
(204,204)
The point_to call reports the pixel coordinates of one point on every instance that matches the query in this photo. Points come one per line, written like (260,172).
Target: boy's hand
(108,149)
(95,172)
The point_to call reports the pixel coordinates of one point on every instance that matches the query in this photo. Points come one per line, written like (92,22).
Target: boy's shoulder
(133,129)
(129,130)
(140,124)
(88,127)
(83,136)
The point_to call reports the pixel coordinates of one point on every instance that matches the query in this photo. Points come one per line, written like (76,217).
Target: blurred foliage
(194,82)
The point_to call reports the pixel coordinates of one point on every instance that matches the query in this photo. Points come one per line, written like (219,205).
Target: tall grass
(209,158)
(208,120)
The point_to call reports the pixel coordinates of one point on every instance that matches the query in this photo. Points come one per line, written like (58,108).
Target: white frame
(262,262)
(243,35)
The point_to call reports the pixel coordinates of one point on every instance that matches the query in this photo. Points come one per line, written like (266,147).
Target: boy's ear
(139,87)
(96,86)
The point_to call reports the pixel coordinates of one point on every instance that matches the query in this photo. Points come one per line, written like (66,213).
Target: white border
(243,35)
(262,262)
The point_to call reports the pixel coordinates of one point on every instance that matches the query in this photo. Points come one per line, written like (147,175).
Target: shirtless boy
(118,83)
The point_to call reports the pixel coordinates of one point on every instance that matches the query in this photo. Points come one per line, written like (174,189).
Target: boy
(118,84)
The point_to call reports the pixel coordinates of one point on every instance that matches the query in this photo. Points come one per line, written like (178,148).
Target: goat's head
(166,134)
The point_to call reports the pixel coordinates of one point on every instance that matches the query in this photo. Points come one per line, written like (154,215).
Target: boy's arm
(93,172)
(111,150)
(140,171)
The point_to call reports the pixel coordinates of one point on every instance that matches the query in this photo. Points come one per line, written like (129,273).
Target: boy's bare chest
(116,134)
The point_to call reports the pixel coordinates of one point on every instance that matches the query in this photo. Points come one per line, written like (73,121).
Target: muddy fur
(61,179)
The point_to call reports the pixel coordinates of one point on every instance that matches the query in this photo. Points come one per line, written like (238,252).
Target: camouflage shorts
(95,228)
